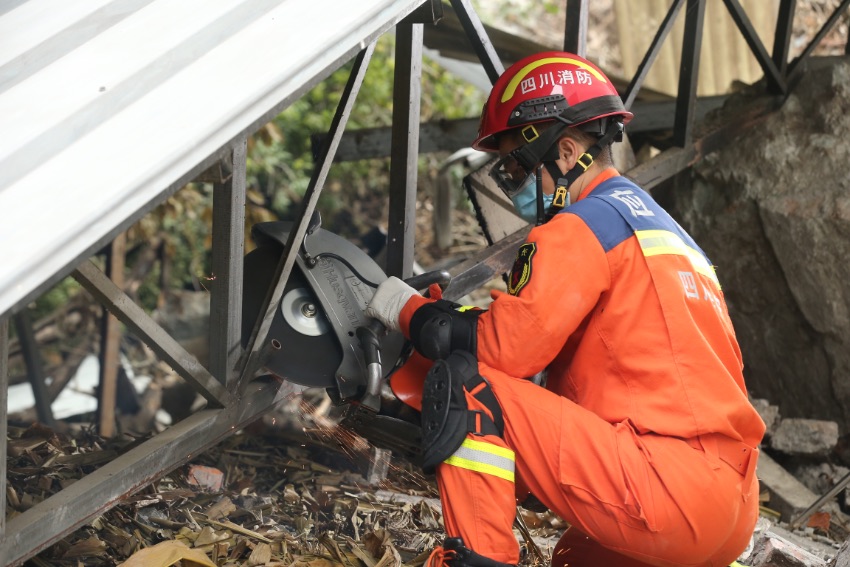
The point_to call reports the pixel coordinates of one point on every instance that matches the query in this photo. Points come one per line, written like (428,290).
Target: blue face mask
(525,200)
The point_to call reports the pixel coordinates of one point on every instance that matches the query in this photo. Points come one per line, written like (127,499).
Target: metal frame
(225,385)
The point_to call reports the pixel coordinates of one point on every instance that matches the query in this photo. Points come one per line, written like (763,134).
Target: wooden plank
(110,343)
(35,369)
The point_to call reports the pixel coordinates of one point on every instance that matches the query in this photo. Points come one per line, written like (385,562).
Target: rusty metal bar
(775,80)
(228,250)
(830,22)
(478,37)
(252,356)
(52,519)
(35,370)
(575,29)
(404,155)
(110,343)
(108,294)
(484,265)
(689,73)
(782,36)
(651,53)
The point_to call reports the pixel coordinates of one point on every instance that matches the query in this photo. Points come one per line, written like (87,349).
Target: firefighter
(643,438)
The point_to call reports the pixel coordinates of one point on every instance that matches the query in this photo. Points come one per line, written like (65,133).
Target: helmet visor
(510,175)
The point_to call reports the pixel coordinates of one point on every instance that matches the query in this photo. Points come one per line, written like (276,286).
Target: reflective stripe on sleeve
(656,242)
(484,458)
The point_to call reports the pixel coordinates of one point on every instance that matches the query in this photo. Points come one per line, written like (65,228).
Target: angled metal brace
(480,40)
(252,358)
(830,23)
(651,53)
(776,82)
(126,310)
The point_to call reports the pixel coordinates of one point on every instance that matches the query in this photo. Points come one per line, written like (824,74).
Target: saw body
(326,339)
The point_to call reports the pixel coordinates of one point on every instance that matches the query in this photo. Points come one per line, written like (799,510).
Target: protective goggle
(512,171)
(510,176)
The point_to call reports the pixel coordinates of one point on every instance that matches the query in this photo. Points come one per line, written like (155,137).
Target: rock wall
(772,211)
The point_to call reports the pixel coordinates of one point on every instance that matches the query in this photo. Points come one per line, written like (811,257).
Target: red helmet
(542,86)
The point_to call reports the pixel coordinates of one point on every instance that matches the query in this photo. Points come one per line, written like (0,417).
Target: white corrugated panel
(104,105)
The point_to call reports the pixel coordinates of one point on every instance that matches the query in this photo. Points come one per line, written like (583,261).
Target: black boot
(455,554)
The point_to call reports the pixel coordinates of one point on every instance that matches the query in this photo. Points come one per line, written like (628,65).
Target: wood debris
(285,499)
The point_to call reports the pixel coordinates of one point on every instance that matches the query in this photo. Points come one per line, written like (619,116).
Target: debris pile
(267,496)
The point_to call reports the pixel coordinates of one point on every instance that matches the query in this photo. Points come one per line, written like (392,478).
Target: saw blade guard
(321,308)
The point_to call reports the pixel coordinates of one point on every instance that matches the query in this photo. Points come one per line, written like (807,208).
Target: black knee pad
(446,418)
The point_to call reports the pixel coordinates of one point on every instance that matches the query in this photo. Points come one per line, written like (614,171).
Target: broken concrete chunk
(788,496)
(809,437)
(773,550)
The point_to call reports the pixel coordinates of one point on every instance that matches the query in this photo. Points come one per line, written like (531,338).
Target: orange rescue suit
(643,439)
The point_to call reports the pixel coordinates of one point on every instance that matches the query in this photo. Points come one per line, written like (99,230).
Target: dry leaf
(166,554)
(261,555)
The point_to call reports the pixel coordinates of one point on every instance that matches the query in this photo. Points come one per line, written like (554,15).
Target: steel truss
(225,385)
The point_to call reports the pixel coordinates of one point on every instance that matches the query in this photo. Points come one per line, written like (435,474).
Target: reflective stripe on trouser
(655,499)
(478,494)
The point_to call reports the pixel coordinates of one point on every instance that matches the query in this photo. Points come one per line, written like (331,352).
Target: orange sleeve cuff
(408,310)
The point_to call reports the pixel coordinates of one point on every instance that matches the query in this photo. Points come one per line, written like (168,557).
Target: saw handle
(441,277)
(370,340)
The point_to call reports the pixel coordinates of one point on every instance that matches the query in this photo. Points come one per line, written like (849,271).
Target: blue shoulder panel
(617,208)
(603,220)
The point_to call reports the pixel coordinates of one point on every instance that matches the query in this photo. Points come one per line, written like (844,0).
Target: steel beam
(52,519)
(452,135)
(775,80)
(689,73)
(404,156)
(575,29)
(480,40)
(228,250)
(256,344)
(782,36)
(651,53)
(134,317)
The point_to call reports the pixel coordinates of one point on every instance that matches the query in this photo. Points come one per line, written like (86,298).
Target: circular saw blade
(310,353)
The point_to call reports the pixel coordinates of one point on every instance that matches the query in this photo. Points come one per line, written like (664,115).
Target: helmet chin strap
(561,197)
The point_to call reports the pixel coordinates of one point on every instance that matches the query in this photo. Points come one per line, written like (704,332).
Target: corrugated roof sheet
(107,105)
